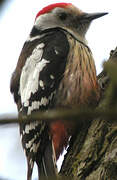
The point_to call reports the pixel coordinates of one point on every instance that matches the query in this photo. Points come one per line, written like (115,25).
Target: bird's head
(67,17)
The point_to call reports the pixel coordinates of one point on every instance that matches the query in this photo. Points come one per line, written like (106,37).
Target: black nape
(34,32)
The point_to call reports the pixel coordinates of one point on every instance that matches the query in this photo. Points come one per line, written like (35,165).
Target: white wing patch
(31,144)
(30,75)
(35,105)
(31,126)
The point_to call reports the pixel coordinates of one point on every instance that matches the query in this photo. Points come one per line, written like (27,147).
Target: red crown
(51,7)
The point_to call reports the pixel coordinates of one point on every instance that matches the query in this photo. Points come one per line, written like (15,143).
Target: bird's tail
(48,169)
(30,163)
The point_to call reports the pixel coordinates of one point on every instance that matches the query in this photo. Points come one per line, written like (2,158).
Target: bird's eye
(63,16)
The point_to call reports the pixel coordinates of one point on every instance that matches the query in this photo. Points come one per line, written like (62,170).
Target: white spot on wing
(56,51)
(51,76)
(41,83)
(44,101)
(31,163)
(34,106)
(30,126)
(29,144)
(34,147)
(29,110)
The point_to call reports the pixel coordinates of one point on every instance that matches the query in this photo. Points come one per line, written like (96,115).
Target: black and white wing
(42,67)
(34,84)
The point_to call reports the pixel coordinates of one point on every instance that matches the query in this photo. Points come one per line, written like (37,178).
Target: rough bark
(92,153)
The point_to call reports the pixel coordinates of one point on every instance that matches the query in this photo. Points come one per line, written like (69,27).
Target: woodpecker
(55,69)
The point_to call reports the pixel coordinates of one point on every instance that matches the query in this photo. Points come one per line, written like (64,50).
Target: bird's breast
(79,84)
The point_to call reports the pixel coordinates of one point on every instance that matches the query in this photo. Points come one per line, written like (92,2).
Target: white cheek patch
(29,80)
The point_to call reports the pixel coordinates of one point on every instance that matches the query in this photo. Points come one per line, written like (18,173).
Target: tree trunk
(92,152)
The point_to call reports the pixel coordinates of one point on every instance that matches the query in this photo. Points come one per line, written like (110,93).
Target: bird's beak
(92,16)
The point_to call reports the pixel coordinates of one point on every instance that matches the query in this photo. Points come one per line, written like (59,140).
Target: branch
(66,115)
